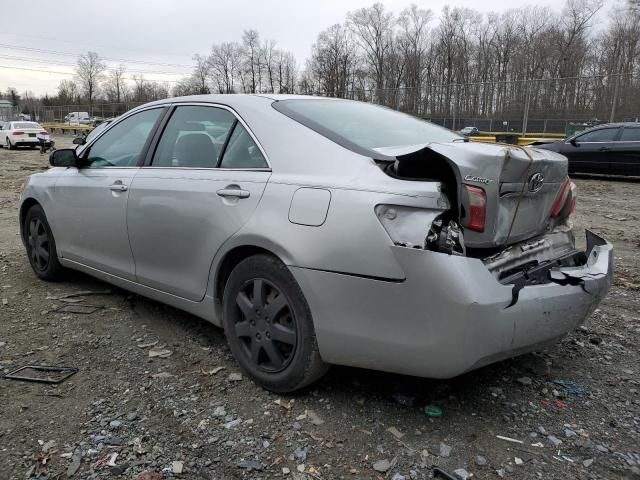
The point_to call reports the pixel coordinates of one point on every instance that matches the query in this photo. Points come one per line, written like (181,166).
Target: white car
(22,134)
(78,118)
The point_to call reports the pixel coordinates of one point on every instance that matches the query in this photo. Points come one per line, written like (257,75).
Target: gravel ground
(573,411)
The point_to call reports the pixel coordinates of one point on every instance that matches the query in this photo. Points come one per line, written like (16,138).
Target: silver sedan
(322,231)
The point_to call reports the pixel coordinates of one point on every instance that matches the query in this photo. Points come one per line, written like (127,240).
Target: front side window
(630,134)
(601,135)
(363,126)
(123,144)
(194,137)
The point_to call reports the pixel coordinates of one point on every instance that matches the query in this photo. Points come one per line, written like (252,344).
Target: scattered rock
(74,466)
(462,474)
(382,465)
(395,432)
(250,465)
(588,462)
(525,381)
(177,467)
(300,454)
(480,460)
(445,450)
(314,418)
(235,377)
(555,441)
(160,352)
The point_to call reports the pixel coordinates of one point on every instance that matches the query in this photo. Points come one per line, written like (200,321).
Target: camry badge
(473,178)
(535,182)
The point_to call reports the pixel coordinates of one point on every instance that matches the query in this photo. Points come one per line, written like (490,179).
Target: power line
(127,47)
(57,52)
(53,62)
(72,73)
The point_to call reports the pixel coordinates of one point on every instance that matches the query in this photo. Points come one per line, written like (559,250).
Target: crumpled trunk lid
(521,185)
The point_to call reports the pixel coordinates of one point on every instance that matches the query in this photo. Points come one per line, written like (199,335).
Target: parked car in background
(609,149)
(469,131)
(22,134)
(322,231)
(78,118)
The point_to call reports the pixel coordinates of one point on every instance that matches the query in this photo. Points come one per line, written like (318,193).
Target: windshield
(367,126)
(96,131)
(26,125)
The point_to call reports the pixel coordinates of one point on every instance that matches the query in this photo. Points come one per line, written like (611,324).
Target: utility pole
(525,117)
(615,91)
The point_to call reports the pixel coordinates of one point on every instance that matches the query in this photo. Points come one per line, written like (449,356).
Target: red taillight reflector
(44,132)
(17,133)
(477,205)
(561,198)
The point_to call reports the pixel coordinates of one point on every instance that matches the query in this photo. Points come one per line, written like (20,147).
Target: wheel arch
(27,203)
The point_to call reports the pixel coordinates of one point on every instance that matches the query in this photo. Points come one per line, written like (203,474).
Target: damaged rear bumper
(449,315)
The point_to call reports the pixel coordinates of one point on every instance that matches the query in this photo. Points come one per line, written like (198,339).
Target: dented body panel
(449,316)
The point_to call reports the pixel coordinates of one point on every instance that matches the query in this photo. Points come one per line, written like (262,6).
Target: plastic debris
(433,411)
(508,439)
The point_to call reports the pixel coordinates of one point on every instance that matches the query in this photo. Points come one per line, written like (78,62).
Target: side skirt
(204,309)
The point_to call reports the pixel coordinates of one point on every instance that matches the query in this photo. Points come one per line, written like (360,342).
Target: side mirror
(573,142)
(79,141)
(65,157)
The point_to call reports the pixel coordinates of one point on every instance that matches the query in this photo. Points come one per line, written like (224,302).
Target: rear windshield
(26,125)
(359,125)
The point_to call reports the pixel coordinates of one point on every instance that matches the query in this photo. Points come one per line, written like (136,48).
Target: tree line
(461,62)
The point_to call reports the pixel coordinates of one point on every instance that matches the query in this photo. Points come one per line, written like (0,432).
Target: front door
(205,181)
(592,151)
(626,153)
(91,202)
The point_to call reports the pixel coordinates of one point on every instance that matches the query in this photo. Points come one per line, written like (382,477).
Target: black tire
(41,246)
(287,357)
(9,145)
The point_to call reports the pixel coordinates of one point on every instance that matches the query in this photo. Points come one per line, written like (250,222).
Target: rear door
(625,159)
(201,185)
(90,203)
(592,151)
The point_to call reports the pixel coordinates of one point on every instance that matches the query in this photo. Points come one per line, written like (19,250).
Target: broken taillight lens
(566,197)
(477,206)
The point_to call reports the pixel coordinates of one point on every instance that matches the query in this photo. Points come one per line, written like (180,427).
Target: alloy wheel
(39,245)
(266,325)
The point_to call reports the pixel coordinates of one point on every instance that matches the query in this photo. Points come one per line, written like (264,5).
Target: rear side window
(630,134)
(242,151)
(194,137)
(601,135)
(362,126)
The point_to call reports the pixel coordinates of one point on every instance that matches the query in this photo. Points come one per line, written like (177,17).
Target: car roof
(238,99)
(615,124)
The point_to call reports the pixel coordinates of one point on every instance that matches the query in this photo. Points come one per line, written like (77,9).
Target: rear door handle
(233,192)
(118,187)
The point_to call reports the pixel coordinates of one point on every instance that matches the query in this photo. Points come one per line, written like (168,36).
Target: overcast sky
(169,32)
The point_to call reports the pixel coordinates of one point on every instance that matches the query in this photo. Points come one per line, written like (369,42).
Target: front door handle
(118,187)
(233,192)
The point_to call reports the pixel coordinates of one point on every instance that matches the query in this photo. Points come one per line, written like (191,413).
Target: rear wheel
(268,325)
(41,246)
(9,145)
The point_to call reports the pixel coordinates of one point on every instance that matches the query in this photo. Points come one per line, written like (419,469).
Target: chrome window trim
(239,119)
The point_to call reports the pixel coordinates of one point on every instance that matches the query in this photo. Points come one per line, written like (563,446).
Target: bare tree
(115,87)
(90,70)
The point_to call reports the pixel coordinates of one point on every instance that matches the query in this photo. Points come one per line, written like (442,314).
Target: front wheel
(268,325)
(41,246)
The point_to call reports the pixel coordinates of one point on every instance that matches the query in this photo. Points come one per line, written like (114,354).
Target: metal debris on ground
(43,374)
(571,388)
(508,439)
(78,308)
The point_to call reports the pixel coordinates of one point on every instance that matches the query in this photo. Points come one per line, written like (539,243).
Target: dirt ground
(573,411)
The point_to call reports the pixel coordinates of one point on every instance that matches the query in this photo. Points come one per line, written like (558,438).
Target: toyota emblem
(535,182)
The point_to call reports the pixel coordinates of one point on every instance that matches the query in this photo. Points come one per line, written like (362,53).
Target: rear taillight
(477,204)
(17,133)
(44,132)
(568,187)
